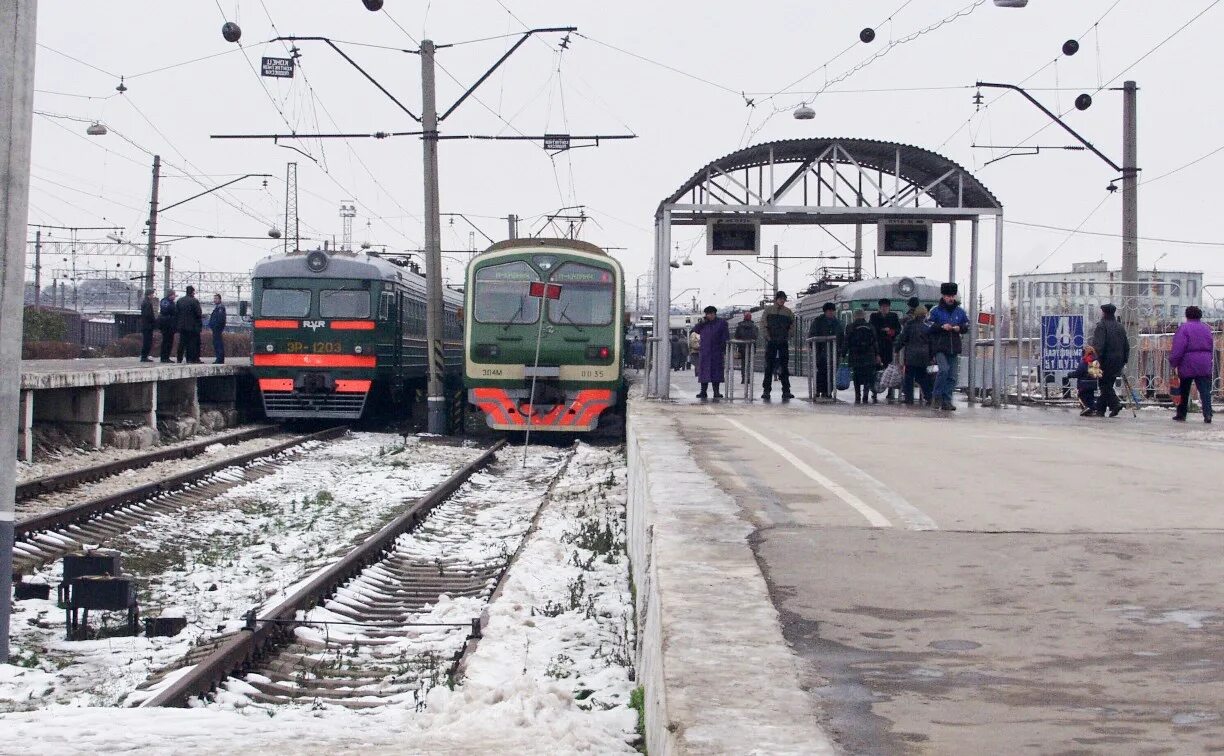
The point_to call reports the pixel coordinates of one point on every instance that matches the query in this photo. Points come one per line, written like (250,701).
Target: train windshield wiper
(514,317)
(563,316)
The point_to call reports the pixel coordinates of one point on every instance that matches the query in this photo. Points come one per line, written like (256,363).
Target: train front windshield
(503,294)
(587,298)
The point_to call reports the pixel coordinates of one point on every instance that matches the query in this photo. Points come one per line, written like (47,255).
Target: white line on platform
(913,517)
(876,519)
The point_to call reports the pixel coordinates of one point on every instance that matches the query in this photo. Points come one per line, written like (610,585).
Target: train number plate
(314,347)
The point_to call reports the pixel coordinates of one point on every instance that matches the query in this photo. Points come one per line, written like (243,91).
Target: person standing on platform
(694,349)
(778,322)
(167,321)
(945,325)
(864,355)
(216,324)
(829,352)
(914,351)
(712,363)
(148,322)
(745,330)
(190,324)
(887,325)
(911,304)
(1192,356)
(1113,352)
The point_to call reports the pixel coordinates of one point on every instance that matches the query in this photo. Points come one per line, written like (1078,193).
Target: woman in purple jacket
(1192,358)
(711,363)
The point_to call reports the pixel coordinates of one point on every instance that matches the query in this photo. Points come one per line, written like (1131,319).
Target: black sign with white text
(279,68)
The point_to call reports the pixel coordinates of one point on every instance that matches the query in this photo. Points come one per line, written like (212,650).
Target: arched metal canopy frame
(830,181)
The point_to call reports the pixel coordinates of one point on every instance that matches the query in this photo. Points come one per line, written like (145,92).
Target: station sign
(1062,342)
(556,142)
(277,68)
(733,236)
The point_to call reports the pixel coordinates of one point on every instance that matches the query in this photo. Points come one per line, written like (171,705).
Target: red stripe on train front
(275,384)
(313,360)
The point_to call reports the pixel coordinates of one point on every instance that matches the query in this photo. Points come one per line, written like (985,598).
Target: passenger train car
(566,295)
(855,296)
(338,333)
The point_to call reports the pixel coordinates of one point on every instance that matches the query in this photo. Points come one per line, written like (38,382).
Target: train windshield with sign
(285,303)
(587,295)
(503,294)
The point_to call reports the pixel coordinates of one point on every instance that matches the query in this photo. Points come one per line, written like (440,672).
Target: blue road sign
(1062,342)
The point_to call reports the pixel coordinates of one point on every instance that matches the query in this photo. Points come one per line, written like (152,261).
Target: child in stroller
(1087,376)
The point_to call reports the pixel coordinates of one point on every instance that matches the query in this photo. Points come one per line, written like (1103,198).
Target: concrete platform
(124,402)
(983,581)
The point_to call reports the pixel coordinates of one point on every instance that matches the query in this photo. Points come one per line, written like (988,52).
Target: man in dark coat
(711,361)
(778,322)
(887,325)
(167,322)
(216,324)
(190,323)
(745,330)
(1113,352)
(828,352)
(148,322)
(945,325)
(864,356)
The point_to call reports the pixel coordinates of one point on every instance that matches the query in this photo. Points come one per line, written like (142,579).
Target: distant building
(1163,295)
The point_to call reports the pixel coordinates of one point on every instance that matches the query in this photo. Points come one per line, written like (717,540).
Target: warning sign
(277,68)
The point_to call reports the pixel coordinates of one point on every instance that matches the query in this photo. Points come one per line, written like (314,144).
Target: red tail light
(598,352)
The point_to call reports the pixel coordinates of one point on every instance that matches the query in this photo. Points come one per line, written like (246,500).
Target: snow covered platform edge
(717,673)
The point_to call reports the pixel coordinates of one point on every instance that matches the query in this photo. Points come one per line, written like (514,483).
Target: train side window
(384,305)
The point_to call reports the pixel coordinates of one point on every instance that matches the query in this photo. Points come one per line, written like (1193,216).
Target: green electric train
(543,336)
(339,335)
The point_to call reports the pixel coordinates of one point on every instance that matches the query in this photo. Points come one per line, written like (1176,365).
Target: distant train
(566,295)
(338,334)
(855,296)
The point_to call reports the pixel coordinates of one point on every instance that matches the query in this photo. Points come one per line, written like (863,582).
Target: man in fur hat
(945,325)
(1113,352)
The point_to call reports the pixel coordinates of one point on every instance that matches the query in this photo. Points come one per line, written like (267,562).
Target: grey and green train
(338,334)
(543,335)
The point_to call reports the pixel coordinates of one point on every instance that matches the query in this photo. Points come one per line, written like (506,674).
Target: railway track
(63,481)
(44,537)
(388,620)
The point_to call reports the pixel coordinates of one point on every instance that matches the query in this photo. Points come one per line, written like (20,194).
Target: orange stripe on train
(313,360)
(275,324)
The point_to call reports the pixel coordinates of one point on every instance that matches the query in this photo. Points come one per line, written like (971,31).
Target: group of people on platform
(184,317)
(1106,356)
(927,346)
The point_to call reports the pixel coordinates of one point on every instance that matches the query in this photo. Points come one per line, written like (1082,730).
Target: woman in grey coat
(914,350)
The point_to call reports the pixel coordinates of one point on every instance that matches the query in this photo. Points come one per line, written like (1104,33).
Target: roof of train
(893,287)
(352,265)
(533,243)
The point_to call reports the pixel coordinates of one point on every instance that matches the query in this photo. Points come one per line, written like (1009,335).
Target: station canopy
(830,181)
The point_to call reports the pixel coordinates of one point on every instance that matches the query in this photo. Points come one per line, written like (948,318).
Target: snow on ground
(74,458)
(551,675)
(213,563)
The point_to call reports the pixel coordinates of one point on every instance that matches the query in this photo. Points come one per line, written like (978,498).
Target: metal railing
(813,364)
(745,350)
(652,360)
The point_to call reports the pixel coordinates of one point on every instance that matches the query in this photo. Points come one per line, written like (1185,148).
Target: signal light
(598,352)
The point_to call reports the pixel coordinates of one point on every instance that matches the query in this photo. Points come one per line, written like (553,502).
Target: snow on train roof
(893,287)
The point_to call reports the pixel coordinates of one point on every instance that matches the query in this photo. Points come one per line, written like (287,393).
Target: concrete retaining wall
(718,675)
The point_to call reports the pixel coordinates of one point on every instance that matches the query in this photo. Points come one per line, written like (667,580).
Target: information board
(1062,342)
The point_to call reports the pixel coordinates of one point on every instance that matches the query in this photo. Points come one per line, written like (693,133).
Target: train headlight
(357,349)
(269,348)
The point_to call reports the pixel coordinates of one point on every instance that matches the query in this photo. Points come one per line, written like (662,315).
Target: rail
(746,349)
(830,372)
(53,483)
(90,509)
(270,628)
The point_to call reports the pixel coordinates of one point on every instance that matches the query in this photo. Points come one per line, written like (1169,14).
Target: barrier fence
(741,359)
(821,351)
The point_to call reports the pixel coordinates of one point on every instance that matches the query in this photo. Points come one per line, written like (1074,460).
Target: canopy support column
(998,308)
(973,314)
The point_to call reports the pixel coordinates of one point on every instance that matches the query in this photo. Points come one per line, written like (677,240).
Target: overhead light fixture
(804,113)
(675,264)
(274,232)
(96,129)
(1011,3)
(687,261)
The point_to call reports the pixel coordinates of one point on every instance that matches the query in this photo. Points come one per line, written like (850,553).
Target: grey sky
(682,123)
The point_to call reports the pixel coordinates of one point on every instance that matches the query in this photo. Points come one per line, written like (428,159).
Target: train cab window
(587,295)
(284,303)
(503,294)
(344,303)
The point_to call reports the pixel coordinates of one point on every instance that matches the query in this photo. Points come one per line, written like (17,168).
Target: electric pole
(1130,217)
(17,34)
(151,254)
(512,220)
(775,262)
(433,242)
(37,268)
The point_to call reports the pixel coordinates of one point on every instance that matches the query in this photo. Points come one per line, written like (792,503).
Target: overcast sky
(918,93)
